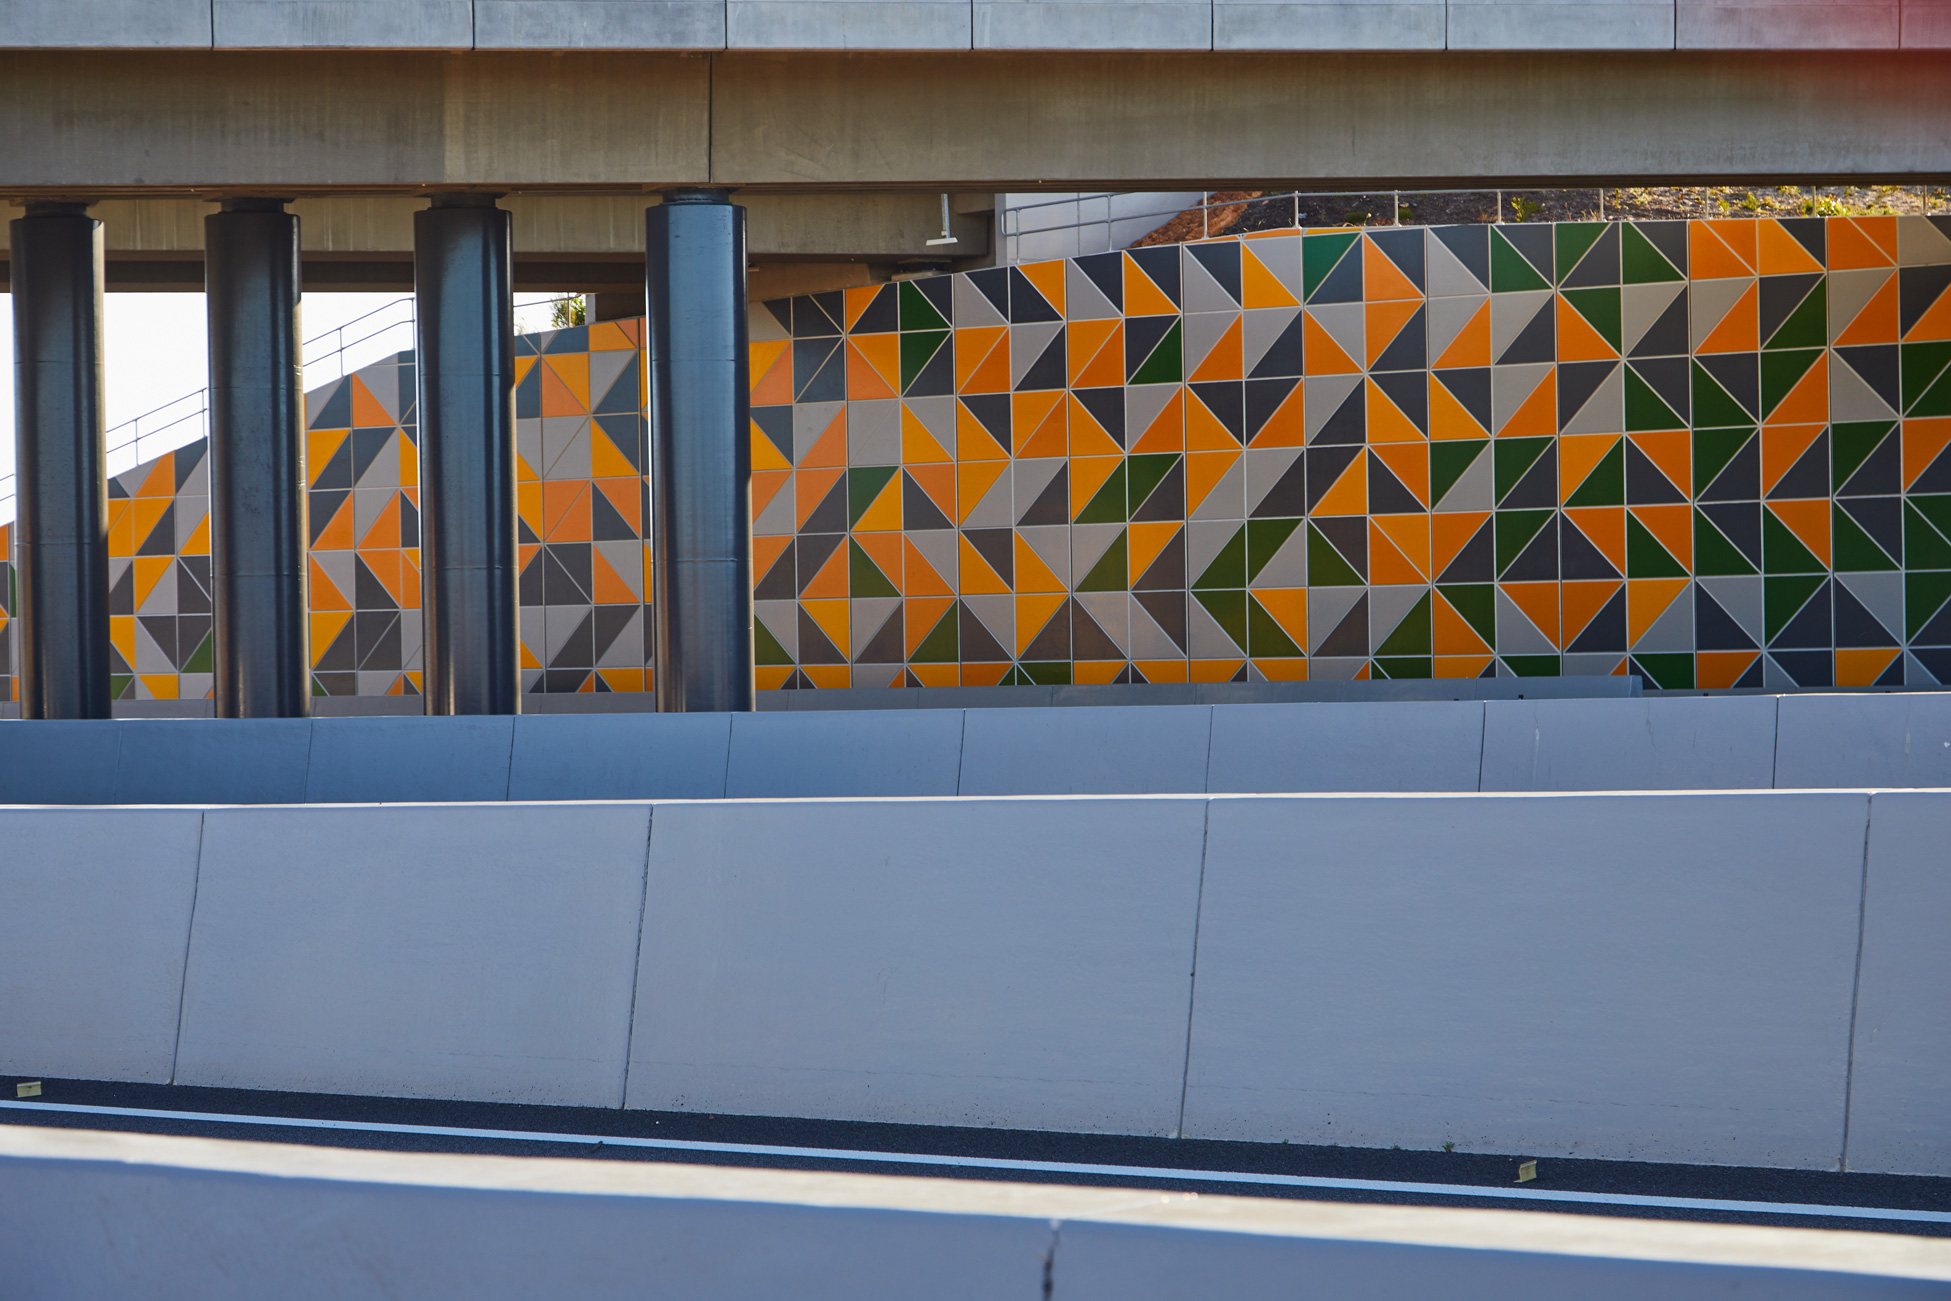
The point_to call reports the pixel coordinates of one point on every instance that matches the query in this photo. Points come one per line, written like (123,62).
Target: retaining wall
(1667,977)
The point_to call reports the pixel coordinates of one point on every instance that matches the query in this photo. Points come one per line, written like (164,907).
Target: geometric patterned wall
(1711,453)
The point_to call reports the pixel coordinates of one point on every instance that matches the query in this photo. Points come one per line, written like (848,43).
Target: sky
(155,353)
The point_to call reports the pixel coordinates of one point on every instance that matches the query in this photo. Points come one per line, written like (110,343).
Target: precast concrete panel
(1790,24)
(1644,977)
(1013,963)
(1106,750)
(1093,25)
(212,761)
(1329,25)
(478,953)
(94,919)
(864,753)
(1863,740)
(106,24)
(1669,743)
(848,24)
(619,756)
(59,761)
(1560,25)
(1900,1078)
(599,25)
(1421,746)
(399,760)
(342,24)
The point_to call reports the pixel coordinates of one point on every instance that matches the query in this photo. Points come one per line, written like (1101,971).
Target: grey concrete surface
(1900,1080)
(214,761)
(1672,743)
(1863,740)
(1773,25)
(1093,25)
(1559,25)
(399,760)
(775,756)
(158,24)
(1121,750)
(847,24)
(467,952)
(1426,746)
(108,1215)
(342,24)
(1329,25)
(1658,978)
(972,962)
(599,25)
(94,919)
(619,757)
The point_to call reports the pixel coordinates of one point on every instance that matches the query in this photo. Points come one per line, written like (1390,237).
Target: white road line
(1034,1167)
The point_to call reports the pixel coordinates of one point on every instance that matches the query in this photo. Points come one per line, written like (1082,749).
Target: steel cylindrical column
(61,495)
(701,456)
(466,326)
(257,461)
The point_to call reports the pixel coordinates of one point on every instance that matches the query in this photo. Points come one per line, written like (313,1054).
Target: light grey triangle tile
(764,326)
(1227,498)
(1265,467)
(1388,605)
(1202,331)
(865,617)
(1288,566)
(1882,594)
(565,447)
(1920,243)
(997,614)
(1741,598)
(338,567)
(1445,275)
(777,519)
(1027,344)
(1850,292)
(1709,303)
(1198,291)
(1088,543)
(1083,300)
(1143,402)
(1673,631)
(1148,641)
(1111,612)
(811,420)
(1032,477)
(1206,640)
(1591,666)
(1511,313)
(781,619)
(1051,543)
(1324,396)
(1511,385)
(1331,669)
(1205,539)
(874,432)
(1516,634)
(1281,254)
(162,597)
(384,470)
(604,368)
(971,305)
(1326,608)
(1263,327)
(627,651)
(995,510)
(937,416)
(1774,677)
(1447,317)
(1605,411)
(528,444)
(939,548)
(1642,306)
(1916,675)
(1346,324)
(1852,399)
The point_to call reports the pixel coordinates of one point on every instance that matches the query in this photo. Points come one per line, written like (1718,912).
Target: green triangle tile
(1645,557)
(1783,598)
(1325,565)
(864,577)
(1606,484)
(1924,595)
(1147,472)
(765,647)
(1936,509)
(1922,364)
(1670,671)
(1510,271)
(1924,546)
(1714,448)
(1533,666)
(1229,612)
(1265,637)
(318,688)
(1639,262)
(1399,667)
(1573,239)
(943,644)
(1714,555)
(1807,326)
(1164,365)
(1936,400)
(1264,539)
(1511,458)
(917,313)
(863,485)
(1447,462)
(1514,531)
(1646,409)
(1319,253)
(1602,308)
(1713,405)
(1412,635)
(1850,444)
(1228,568)
(1046,675)
(1851,550)
(1780,371)
(1109,573)
(121,686)
(1107,505)
(1477,603)
(917,350)
(1782,552)
(200,658)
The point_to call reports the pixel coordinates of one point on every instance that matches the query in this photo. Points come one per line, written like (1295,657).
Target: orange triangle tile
(1577,454)
(149,570)
(765,456)
(1935,324)
(1087,436)
(605,461)
(830,583)
(1285,427)
(1537,415)
(828,677)
(1580,600)
(121,635)
(1646,600)
(1145,540)
(1850,248)
(919,615)
(161,479)
(938,482)
(1084,345)
(565,511)
(367,413)
(990,371)
(1167,432)
(1383,321)
(1406,537)
(830,448)
(324,594)
(1260,287)
(1032,612)
(974,349)
(884,549)
(1471,347)
(609,336)
(1226,360)
(1452,633)
(1719,670)
(1709,257)
(1323,355)
(1032,575)
(325,628)
(528,503)
(1349,496)
(1106,368)
(1142,297)
(1461,666)
(864,378)
(409,464)
(1862,667)
(830,615)
(1740,329)
(1673,527)
(337,533)
(523,365)
(774,386)
(198,543)
(884,512)
(1577,339)
(1382,279)
(918,446)
(1781,447)
(385,531)
(1092,673)
(1808,521)
(1204,432)
(1036,422)
(1409,462)
(810,488)
(1880,231)
(1923,440)
(1448,417)
(947,675)
(1808,401)
(1739,236)
(1672,451)
(1450,531)
(918,577)
(1203,471)
(972,441)
(385,566)
(1386,422)
(765,486)
(573,369)
(1288,608)
(1877,321)
(765,551)
(1215,670)
(973,479)
(557,398)
(1605,528)
(1161,670)
(1781,252)
(1288,670)
(1539,602)
(1048,279)
(857,300)
(1087,475)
